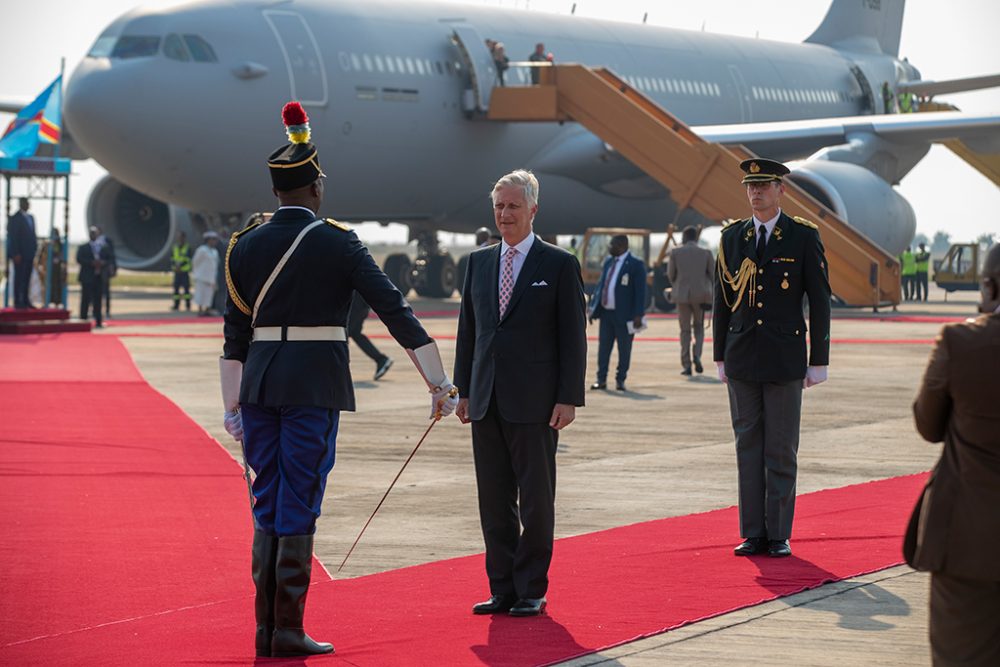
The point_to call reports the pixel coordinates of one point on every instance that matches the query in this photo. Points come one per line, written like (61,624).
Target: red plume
(294,114)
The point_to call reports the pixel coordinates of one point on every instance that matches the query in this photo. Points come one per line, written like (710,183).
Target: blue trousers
(611,331)
(292,450)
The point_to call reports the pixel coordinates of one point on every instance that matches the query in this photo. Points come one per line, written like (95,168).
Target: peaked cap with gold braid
(295,164)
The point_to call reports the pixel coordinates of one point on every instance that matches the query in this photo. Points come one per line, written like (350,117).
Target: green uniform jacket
(908,263)
(764,338)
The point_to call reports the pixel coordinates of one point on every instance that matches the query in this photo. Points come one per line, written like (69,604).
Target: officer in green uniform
(180,262)
(908,272)
(922,264)
(766,265)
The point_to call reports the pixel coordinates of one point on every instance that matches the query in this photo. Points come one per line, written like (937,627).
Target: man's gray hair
(521,178)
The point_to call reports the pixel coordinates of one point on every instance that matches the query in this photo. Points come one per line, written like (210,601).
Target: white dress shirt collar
(522,248)
(303,208)
(768,224)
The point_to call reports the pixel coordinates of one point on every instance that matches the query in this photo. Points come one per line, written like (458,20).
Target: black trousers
(355,320)
(90,295)
(516,480)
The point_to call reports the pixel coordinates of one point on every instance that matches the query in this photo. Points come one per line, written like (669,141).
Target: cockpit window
(173,48)
(136,46)
(103,46)
(200,50)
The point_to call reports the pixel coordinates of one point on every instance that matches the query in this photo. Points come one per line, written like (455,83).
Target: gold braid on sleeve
(744,281)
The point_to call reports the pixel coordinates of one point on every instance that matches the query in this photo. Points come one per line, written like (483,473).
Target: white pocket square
(540,283)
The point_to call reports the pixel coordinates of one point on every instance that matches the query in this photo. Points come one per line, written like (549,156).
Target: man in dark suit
(619,300)
(954,532)
(22,245)
(93,258)
(520,365)
(766,265)
(286,377)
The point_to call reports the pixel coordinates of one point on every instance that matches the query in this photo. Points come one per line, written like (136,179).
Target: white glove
(444,400)
(814,375)
(722,371)
(233,421)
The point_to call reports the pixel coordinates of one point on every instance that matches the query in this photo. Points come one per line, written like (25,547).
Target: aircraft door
(746,112)
(478,61)
(306,73)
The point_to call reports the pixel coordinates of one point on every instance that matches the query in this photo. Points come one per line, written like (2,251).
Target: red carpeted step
(126,538)
(21,327)
(22,314)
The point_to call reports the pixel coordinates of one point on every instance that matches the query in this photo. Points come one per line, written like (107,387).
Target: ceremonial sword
(435,420)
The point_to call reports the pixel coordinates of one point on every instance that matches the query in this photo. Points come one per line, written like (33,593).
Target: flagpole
(64,297)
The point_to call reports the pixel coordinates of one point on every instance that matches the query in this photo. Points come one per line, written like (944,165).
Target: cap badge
(754,168)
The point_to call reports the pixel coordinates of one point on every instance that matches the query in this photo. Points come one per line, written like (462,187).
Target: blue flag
(39,122)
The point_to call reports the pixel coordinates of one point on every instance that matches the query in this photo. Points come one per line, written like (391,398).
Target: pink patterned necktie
(507,279)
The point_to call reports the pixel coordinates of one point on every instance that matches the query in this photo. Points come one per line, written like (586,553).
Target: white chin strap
(427,359)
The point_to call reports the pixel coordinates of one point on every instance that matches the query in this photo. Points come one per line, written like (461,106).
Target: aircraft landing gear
(433,273)
(397,267)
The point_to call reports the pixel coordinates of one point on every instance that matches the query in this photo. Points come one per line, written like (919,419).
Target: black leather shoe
(698,367)
(620,386)
(686,371)
(497,604)
(528,607)
(778,549)
(751,546)
(599,385)
(383,368)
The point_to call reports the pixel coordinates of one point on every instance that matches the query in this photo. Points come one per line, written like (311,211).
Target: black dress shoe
(528,607)
(778,549)
(619,386)
(599,385)
(497,604)
(698,367)
(686,371)
(751,546)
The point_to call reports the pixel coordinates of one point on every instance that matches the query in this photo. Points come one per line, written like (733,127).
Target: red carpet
(126,532)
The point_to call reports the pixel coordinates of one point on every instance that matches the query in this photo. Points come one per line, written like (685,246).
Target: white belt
(299,333)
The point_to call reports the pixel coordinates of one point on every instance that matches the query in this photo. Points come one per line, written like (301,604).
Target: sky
(944,40)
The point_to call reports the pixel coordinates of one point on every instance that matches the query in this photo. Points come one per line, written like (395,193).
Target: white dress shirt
(522,252)
(613,280)
(768,225)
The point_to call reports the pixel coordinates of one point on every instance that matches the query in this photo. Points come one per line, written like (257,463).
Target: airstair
(987,164)
(699,175)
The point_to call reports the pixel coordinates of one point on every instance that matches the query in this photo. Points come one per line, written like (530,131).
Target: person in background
(538,56)
(691,270)
(355,321)
(922,264)
(180,263)
(908,274)
(500,61)
(204,269)
(954,531)
(92,258)
(482,237)
(22,246)
(110,271)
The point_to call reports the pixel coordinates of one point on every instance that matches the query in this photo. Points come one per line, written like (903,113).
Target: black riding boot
(265,555)
(293,570)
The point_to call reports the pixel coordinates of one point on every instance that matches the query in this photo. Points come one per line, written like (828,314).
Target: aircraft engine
(142,228)
(861,198)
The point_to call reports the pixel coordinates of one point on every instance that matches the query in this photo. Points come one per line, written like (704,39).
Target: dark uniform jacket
(764,339)
(313,289)
(536,355)
(955,528)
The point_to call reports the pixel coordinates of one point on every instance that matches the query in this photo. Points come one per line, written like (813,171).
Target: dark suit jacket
(764,340)
(630,293)
(955,528)
(313,289)
(85,258)
(21,239)
(536,356)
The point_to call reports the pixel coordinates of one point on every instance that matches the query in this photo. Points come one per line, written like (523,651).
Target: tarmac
(663,448)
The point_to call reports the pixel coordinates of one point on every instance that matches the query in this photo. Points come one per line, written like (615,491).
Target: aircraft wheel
(397,266)
(463,268)
(660,283)
(434,276)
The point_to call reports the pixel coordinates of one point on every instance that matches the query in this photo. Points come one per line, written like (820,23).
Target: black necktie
(761,241)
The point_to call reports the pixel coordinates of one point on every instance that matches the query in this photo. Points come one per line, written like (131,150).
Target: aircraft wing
(980,131)
(12,106)
(949,86)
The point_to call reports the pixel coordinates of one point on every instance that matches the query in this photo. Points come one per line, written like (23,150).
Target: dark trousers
(516,462)
(106,294)
(964,621)
(291,450)
(90,296)
(613,331)
(909,287)
(355,320)
(22,283)
(182,281)
(920,291)
(691,316)
(766,423)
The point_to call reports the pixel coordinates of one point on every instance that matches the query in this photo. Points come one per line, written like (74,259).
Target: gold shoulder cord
(256,221)
(744,280)
(339,225)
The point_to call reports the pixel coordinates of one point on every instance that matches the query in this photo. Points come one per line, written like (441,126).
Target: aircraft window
(201,51)
(670,86)
(136,46)
(409,66)
(429,66)
(718,91)
(390,65)
(420,66)
(400,66)
(173,48)
(439,67)
(355,62)
(102,47)
(345,62)
(379,65)
(688,87)
(368,62)
(704,88)
(657,86)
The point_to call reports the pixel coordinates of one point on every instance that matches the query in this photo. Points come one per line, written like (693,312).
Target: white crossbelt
(299,333)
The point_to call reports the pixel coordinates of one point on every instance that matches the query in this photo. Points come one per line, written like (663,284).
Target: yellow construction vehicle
(960,269)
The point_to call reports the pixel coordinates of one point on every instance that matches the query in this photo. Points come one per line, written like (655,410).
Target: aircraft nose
(95,107)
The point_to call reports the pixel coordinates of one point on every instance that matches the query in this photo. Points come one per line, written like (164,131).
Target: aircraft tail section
(871,26)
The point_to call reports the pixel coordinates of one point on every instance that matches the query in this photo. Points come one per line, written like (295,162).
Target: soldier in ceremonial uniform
(285,373)
(766,265)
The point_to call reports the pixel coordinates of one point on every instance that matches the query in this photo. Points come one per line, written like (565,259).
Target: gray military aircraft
(181,106)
